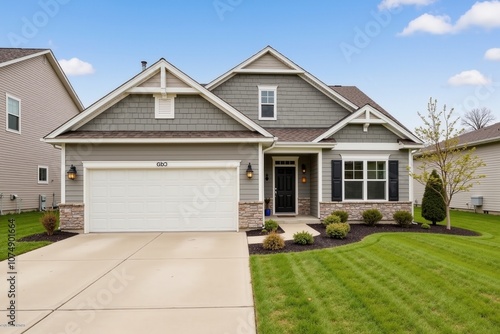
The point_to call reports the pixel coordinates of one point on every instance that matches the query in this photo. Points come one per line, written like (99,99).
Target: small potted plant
(268,210)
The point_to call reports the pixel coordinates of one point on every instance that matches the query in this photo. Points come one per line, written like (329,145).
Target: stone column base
(71,216)
(251,214)
(304,206)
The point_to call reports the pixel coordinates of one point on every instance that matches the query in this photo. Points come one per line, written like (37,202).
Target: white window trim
(365,159)
(7,96)
(275,90)
(169,98)
(38,173)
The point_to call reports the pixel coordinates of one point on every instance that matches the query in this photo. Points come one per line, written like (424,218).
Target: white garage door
(194,199)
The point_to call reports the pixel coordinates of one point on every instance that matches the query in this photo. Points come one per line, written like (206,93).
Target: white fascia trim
(367,147)
(158,140)
(161,164)
(410,146)
(261,173)
(63,173)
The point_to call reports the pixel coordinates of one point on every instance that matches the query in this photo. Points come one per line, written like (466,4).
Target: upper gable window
(268,102)
(13,114)
(165,106)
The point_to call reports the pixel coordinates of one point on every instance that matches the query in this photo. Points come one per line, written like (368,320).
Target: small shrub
(273,241)
(331,219)
(426,226)
(372,216)
(49,222)
(270,225)
(403,218)
(342,214)
(337,230)
(303,238)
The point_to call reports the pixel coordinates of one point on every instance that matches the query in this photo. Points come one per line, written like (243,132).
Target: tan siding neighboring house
(487,143)
(44,103)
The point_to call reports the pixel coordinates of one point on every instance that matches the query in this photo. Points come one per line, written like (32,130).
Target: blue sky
(399,52)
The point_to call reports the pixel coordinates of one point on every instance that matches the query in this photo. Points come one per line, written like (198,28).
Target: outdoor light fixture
(303,168)
(249,171)
(304,180)
(72,173)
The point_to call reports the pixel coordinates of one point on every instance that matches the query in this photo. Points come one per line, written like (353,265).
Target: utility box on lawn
(476,200)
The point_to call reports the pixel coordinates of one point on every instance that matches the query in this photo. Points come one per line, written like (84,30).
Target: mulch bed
(57,236)
(357,233)
(256,233)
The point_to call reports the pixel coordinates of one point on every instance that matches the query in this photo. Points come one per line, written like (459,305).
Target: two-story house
(165,153)
(35,97)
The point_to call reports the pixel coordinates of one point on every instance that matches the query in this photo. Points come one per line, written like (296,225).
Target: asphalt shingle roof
(8,54)
(489,133)
(158,134)
(296,134)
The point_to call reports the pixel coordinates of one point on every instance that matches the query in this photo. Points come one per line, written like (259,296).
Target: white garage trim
(89,166)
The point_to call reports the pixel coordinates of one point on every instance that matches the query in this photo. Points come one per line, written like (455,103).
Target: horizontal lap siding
(488,187)
(353,133)
(75,154)
(137,113)
(299,104)
(45,104)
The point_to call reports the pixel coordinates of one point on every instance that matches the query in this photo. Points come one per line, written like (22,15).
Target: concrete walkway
(135,283)
(290,229)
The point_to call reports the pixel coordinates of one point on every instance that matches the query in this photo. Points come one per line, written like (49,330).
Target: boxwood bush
(343,215)
(403,218)
(331,219)
(338,230)
(273,241)
(372,216)
(270,225)
(303,238)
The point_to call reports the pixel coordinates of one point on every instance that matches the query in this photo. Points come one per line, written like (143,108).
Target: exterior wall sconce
(304,179)
(249,171)
(72,173)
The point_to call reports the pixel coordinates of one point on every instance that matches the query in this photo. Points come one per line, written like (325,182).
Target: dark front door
(285,189)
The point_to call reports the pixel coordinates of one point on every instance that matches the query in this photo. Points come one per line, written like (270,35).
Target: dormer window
(268,103)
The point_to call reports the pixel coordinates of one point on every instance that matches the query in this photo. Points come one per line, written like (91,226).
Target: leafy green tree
(433,206)
(455,163)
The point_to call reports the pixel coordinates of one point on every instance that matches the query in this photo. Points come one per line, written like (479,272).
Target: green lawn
(27,223)
(387,283)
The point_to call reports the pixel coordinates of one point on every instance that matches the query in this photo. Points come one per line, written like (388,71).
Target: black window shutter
(336,180)
(393,180)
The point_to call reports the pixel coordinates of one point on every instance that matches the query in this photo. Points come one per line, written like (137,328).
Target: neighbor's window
(267,102)
(13,114)
(365,180)
(43,174)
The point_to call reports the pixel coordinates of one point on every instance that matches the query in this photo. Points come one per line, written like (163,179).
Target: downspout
(275,140)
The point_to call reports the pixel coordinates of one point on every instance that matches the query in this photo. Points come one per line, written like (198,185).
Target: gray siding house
(35,97)
(164,153)
(487,144)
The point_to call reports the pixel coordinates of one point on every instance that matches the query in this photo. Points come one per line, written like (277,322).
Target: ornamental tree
(454,162)
(433,206)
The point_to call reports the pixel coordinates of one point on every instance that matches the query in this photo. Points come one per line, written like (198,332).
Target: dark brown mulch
(357,233)
(57,236)
(256,233)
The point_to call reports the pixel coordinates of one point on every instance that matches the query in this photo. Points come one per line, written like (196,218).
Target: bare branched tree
(478,118)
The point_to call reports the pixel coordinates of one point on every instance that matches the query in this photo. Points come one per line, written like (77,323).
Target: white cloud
(493,54)
(390,4)
(482,14)
(75,66)
(471,77)
(437,25)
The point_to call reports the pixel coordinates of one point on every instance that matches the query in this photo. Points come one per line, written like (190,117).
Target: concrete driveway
(135,283)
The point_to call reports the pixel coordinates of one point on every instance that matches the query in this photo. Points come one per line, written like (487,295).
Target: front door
(285,189)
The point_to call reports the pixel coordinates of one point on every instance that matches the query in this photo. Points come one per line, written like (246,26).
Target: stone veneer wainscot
(251,214)
(355,209)
(71,216)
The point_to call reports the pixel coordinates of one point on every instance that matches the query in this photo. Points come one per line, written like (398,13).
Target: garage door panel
(162,200)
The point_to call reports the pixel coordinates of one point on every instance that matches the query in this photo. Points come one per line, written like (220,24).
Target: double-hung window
(268,102)
(43,174)
(13,114)
(365,180)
